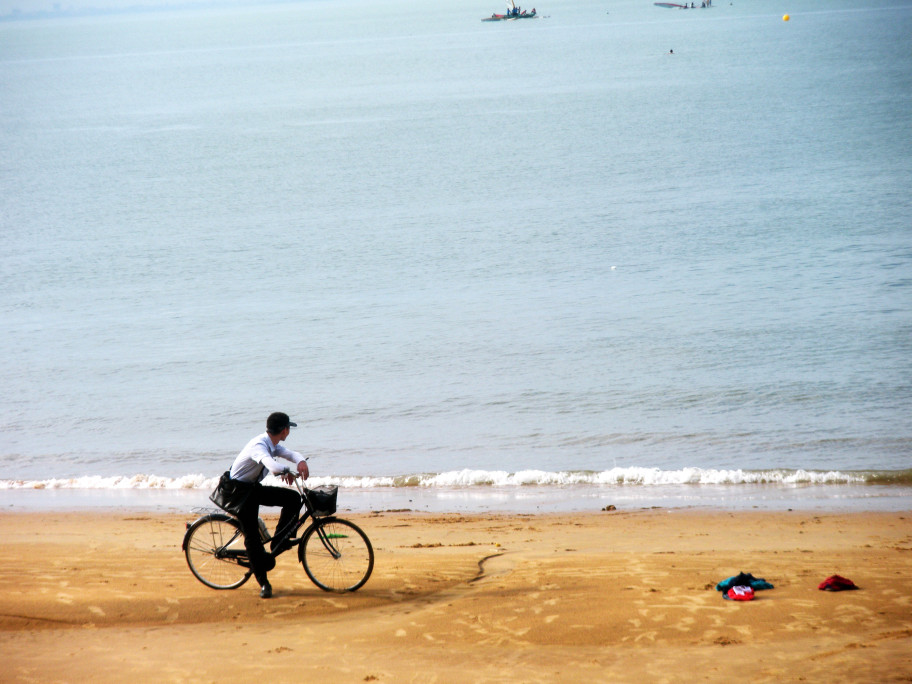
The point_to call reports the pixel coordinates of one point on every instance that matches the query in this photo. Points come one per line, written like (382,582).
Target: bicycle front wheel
(336,555)
(214,547)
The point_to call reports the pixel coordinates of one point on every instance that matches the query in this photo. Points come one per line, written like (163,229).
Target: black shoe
(266,591)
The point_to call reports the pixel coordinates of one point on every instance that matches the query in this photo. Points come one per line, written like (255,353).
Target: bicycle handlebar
(289,471)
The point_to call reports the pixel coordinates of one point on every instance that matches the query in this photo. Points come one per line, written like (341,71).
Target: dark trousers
(290,501)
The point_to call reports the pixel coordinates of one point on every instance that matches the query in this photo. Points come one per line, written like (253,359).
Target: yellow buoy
(785,17)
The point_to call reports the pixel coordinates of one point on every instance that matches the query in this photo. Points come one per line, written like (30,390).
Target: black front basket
(323,499)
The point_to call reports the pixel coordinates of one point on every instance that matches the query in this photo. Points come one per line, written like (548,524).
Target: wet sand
(621,596)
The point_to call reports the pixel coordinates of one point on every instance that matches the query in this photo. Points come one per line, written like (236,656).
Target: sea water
(617,254)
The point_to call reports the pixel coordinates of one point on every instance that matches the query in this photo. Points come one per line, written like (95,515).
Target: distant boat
(703,4)
(513,12)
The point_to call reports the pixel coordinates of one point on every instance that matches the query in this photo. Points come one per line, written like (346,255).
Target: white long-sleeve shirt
(261,451)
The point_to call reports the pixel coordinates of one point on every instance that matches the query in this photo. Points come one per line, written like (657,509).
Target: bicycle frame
(300,520)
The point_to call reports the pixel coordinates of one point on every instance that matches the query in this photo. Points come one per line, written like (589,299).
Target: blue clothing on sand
(743,580)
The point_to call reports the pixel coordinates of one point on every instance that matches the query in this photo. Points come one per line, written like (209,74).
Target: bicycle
(336,554)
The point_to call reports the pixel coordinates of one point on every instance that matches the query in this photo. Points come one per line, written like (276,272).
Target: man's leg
(290,501)
(260,561)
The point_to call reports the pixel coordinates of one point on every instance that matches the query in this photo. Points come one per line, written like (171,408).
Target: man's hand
(303,470)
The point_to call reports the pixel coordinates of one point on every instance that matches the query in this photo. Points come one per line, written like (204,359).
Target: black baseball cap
(278,422)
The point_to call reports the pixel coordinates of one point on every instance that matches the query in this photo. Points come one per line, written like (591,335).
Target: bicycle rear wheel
(336,555)
(214,547)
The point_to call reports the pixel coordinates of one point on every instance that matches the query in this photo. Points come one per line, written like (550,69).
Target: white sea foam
(478,478)
(140,481)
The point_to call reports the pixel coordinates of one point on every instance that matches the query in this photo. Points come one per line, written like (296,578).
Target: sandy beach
(620,596)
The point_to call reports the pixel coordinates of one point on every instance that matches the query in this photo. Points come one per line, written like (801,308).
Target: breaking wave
(633,477)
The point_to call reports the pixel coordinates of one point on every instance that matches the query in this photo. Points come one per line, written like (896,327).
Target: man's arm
(293,456)
(283,451)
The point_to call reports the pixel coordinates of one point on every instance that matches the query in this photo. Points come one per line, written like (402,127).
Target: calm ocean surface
(516,265)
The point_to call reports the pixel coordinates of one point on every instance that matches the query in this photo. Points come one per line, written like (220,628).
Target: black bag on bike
(230,495)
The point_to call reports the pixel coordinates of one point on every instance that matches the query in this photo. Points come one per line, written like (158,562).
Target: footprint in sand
(893,595)
(685,624)
(848,614)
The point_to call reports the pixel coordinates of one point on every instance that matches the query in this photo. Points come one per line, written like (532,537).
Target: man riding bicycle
(250,467)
